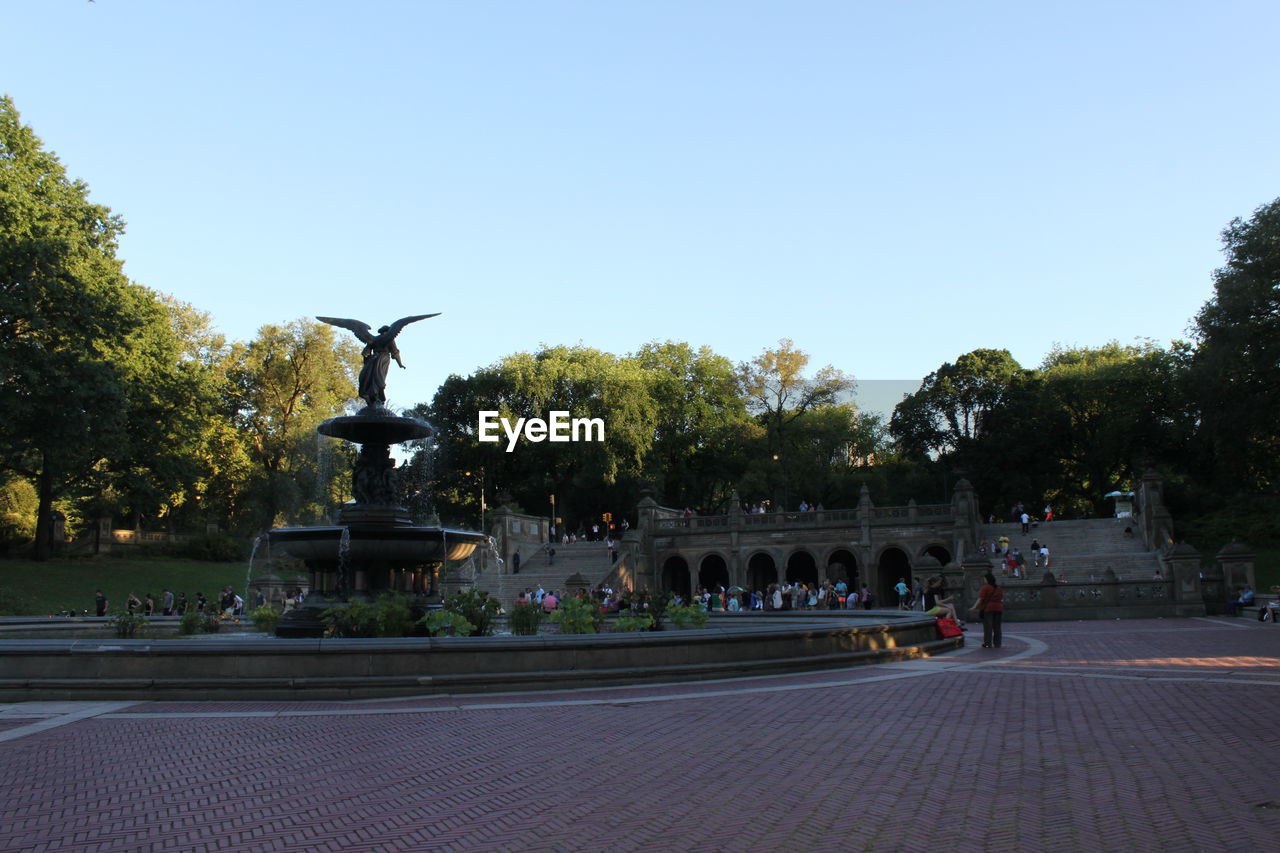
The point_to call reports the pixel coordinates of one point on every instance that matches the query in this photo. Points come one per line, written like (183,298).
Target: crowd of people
(228,602)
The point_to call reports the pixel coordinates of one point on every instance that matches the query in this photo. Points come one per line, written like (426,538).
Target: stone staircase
(589,559)
(1082,548)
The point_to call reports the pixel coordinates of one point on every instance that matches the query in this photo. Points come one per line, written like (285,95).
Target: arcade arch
(939,553)
(842,566)
(713,573)
(892,565)
(802,568)
(675,576)
(761,571)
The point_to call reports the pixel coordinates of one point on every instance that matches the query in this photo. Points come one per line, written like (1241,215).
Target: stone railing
(818,518)
(1096,600)
(136,537)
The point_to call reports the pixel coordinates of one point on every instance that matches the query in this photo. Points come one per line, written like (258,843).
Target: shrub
(265,618)
(687,616)
(440,623)
(476,607)
(354,619)
(389,616)
(628,624)
(192,622)
(525,619)
(129,624)
(577,616)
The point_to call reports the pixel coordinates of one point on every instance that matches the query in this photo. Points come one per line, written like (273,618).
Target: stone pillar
(641,544)
(1235,561)
(964,511)
(1182,571)
(1154,520)
(864,536)
(1048,591)
(973,567)
(1110,588)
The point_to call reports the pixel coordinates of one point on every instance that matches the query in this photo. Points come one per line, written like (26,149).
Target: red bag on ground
(948,628)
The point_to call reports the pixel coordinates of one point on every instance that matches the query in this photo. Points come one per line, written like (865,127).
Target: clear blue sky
(888,184)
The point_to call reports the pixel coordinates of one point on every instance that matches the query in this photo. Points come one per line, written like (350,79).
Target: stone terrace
(1157,735)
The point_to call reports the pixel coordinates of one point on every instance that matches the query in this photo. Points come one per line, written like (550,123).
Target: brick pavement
(1139,735)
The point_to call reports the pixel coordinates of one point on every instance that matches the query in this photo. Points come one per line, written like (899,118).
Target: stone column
(1235,561)
(1182,571)
(964,512)
(864,536)
(973,567)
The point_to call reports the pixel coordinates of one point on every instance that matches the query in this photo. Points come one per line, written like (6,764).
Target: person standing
(990,604)
(515,562)
(100,602)
(166,602)
(901,589)
(1026,523)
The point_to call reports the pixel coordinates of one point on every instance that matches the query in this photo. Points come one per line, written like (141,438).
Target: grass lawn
(28,588)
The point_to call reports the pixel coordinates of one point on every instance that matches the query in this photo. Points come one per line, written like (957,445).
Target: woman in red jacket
(991,605)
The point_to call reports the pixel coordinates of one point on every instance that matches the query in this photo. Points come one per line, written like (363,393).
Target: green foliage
(525,619)
(476,607)
(1237,365)
(265,618)
(629,624)
(687,616)
(442,623)
(279,388)
(577,616)
(195,622)
(215,547)
(128,625)
(388,616)
(954,402)
(18,506)
(191,622)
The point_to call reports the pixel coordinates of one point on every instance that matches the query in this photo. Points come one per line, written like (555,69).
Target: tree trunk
(44,513)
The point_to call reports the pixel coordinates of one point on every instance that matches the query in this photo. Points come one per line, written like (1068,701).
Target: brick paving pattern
(1154,735)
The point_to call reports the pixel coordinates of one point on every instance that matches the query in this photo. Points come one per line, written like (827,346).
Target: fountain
(375,546)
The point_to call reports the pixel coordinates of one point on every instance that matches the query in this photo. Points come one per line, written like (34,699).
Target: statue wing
(362,330)
(394,328)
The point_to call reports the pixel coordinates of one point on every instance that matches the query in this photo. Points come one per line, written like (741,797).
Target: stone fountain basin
(406,545)
(375,426)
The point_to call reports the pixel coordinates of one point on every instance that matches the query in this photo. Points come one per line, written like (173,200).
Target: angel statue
(379,349)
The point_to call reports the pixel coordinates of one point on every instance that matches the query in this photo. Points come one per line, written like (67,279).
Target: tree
(780,396)
(70,323)
(954,402)
(702,430)
(1237,363)
(279,388)
(586,476)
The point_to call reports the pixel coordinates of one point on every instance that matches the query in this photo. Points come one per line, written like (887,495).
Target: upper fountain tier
(376,425)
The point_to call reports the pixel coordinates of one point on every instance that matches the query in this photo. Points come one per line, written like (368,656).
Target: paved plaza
(1159,735)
